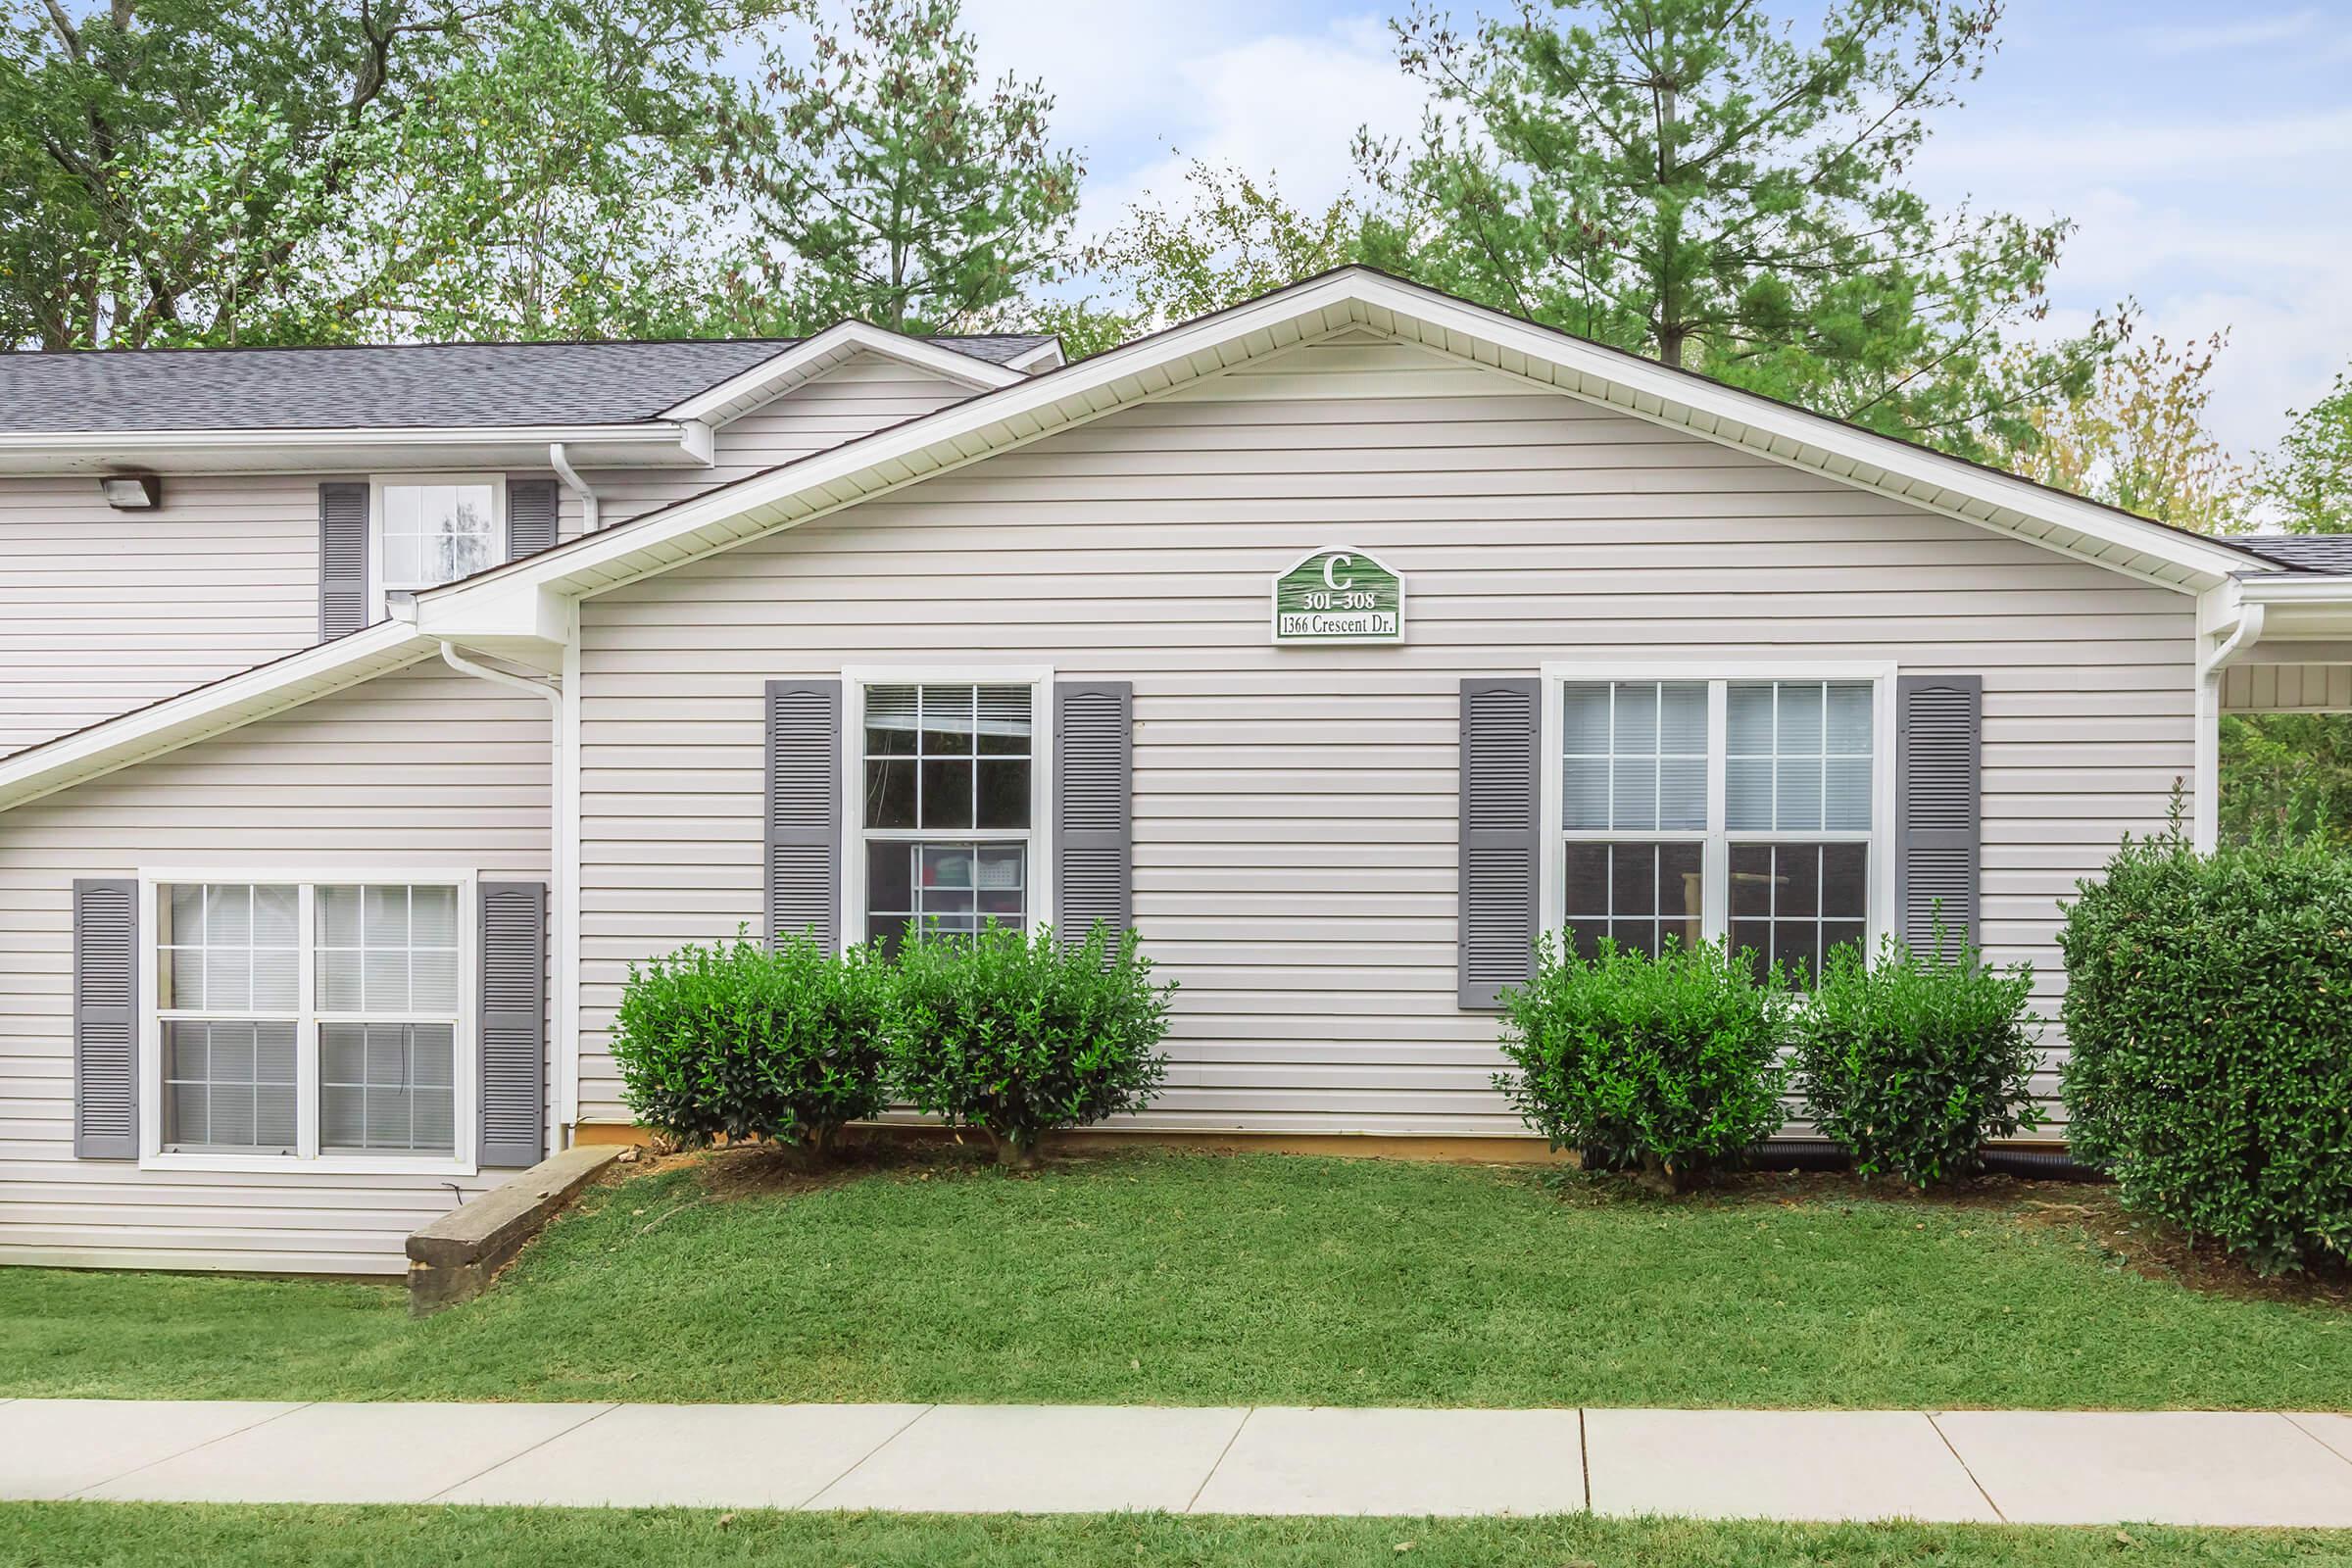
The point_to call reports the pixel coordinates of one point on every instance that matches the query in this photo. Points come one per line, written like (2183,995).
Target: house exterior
(371,710)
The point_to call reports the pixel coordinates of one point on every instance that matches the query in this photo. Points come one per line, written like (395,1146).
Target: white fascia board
(2296,588)
(223,705)
(520,614)
(2298,607)
(1033,407)
(664,443)
(772,378)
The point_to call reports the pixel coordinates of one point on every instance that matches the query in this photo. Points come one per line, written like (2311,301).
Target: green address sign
(1338,596)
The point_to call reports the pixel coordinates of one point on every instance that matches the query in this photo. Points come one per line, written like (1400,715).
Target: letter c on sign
(1332,564)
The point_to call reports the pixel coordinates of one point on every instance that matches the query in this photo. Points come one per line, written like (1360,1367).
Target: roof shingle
(2302,551)
(412,385)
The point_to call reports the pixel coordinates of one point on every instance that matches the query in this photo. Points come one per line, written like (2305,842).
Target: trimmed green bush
(738,1041)
(2209,1017)
(1019,1035)
(1914,1061)
(1671,1064)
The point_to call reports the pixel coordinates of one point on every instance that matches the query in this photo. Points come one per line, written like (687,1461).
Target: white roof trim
(1354,297)
(643,443)
(223,705)
(771,378)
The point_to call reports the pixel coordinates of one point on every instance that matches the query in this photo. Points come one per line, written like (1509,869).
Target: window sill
(323,1166)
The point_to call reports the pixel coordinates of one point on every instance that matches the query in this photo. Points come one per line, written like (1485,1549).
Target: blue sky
(2205,150)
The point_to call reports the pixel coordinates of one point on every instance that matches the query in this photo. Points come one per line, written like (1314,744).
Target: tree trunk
(1661,1177)
(1016,1151)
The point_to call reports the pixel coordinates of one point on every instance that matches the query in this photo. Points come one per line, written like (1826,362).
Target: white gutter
(563,1037)
(562,464)
(2205,825)
(102,442)
(2248,632)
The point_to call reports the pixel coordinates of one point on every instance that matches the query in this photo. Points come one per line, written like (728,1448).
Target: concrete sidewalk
(2190,1469)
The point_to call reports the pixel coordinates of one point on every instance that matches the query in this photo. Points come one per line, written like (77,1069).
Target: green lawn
(144,1534)
(1206,1280)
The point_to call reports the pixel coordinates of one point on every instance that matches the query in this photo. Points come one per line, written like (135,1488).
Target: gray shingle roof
(395,386)
(2304,552)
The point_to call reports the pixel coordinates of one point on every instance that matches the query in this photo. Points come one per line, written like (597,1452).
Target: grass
(137,1534)
(1156,1278)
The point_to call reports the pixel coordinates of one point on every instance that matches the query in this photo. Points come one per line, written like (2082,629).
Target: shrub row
(1677,1065)
(2208,1021)
(1015,1034)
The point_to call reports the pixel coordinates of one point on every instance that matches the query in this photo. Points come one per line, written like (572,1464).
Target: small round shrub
(2209,1018)
(738,1041)
(1914,1061)
(1671,1063)
(1020,1035)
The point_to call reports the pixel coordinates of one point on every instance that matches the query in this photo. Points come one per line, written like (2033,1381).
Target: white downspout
(563,853)
(591,517)
(2206,818)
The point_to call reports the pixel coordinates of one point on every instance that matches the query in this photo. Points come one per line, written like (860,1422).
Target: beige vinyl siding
(2287,688)
(420,768)
(102,612)
(1295,809)
(854,398)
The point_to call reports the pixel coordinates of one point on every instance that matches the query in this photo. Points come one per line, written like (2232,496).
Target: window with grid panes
(374,1029)
(1693,808)
(949,774)
(1634,792)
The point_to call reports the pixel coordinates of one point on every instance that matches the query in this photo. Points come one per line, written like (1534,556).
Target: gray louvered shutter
(106,1011)
(1937,814)
(342,559)
(804,810)
(1501,852)
(513,1023)
(530,515)
(1094,820)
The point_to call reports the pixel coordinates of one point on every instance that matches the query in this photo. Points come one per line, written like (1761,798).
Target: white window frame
(1719,674)
(306,1159)
(379,483)
(1039,837)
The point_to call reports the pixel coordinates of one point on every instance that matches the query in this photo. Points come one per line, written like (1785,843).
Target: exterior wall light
(132,492)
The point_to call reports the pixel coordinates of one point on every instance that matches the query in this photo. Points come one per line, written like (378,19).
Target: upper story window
(1695,809)
(429,529)
(950,799)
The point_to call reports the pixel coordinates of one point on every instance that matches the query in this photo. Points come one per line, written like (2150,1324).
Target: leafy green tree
(550,181)
(886,180)
(306,170)
(168,161)
(2286,775)
(1687,179)
(1231,238)
(2308,477)
(2136,438)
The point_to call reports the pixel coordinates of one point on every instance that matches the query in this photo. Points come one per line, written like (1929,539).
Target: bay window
(319,1020)
(1750,806)
(949,795)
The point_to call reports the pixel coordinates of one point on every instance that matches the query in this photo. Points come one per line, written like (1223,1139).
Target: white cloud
(1285,104)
